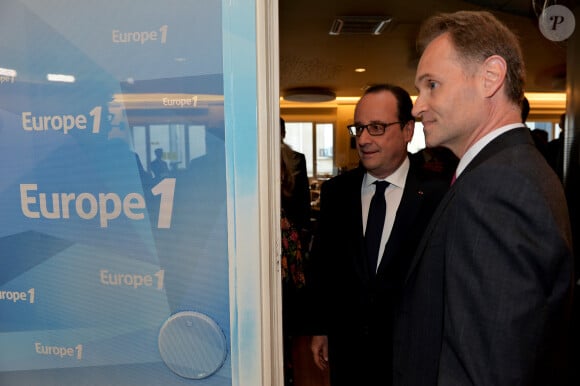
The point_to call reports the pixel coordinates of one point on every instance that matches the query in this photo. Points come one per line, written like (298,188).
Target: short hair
(525,109)
(477,35)
(404,102)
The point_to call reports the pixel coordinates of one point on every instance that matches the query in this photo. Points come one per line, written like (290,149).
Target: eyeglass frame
(360,128)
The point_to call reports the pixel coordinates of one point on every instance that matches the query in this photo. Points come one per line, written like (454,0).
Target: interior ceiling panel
(311,57)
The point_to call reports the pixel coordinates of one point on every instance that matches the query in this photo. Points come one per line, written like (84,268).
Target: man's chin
(430,141)
(368,165)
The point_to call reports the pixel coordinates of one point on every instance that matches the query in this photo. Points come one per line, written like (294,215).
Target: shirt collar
(479,145)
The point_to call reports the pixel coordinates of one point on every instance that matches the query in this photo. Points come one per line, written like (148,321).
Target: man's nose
(418,107)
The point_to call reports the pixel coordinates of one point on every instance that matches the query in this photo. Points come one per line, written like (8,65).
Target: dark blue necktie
(375,223)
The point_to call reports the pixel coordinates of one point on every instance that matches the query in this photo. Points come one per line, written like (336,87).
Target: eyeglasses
(376,128)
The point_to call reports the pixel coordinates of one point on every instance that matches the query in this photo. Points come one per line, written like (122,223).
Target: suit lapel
(353,200)
(409,207)
(511,138)
(441,208)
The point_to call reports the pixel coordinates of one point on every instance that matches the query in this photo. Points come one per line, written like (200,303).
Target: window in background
(324,149)
(316,142)
(558,130)
(544,126)
(418,141)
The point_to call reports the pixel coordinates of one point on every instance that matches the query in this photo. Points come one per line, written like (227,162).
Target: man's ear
(408,130)
(494,73)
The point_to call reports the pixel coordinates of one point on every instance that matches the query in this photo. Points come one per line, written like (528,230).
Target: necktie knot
(381,186)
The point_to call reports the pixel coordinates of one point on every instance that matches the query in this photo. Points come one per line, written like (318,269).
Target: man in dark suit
(487,298)
(555,150)
(354,297)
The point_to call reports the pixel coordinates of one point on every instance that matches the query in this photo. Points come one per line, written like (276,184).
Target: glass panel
(140,144)
(197,146)
(324,149)
(299,136)
(176,156)
(167,149)
(159,141)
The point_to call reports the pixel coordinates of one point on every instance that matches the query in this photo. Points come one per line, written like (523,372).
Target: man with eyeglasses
(356,281)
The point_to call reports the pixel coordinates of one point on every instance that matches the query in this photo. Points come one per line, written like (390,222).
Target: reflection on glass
(177,145)
(197,142)
(139,139)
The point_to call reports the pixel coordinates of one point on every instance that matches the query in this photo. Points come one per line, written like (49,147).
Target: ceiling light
(360,69)
(60,78)
(7,72)
(309,94)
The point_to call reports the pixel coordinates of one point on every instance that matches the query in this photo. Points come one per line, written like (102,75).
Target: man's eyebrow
(422,78)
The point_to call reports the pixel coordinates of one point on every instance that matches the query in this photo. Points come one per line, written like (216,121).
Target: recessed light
(360,69)
(309,94)
(60,78)
(7,72)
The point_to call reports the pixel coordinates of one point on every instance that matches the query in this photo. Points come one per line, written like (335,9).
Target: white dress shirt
(479,145)
(393,195)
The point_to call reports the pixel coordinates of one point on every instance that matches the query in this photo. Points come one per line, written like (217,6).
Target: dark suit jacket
(486,300)
(297,209)
(297,206)
(351,307)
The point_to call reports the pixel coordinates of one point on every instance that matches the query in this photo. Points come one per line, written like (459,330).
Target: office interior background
(331,51)
(324,55)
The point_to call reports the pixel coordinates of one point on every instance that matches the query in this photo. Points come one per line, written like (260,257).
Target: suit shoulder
(300,157)
(430,180)
(434,164)
(353,176)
